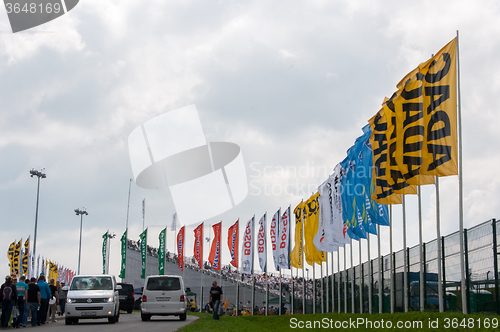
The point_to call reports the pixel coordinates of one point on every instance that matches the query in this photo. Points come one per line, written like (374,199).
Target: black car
(126,297)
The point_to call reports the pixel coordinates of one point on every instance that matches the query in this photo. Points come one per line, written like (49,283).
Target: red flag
(232,243)
(214,257)
(180,248)
(198,245)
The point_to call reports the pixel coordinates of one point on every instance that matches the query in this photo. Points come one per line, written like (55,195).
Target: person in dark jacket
(8,293)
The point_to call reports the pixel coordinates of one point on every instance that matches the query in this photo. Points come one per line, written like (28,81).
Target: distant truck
(431,295)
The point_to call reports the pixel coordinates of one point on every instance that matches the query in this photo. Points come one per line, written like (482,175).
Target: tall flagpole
(405,270)
(338,284)
(253,261)
(421,250)
(380,277)
(345,281)
(327,286)
(353,309)
(303,261)
(438,240)
(279,226)
(333,285)
(461,190)
(391,260)
(370,281)
(361,283)
(314,288)
(265,272)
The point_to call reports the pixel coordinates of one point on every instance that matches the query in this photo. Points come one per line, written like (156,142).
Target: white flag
(274,231)
(261,243)
(324,240)
(247,248)
(339,227)
(284,240)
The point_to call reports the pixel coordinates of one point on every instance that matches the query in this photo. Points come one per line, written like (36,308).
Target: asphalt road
(128,322)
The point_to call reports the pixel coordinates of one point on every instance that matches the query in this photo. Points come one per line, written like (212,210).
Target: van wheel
(145,317)
(182,317)
(129,311)
(112,320)
(68,321)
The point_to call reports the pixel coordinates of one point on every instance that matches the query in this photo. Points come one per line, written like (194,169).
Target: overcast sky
(292,83)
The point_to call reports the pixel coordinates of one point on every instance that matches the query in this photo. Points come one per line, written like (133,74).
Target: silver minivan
(91,297)
(163,296)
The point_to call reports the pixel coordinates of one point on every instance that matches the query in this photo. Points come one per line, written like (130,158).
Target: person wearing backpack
(7,295)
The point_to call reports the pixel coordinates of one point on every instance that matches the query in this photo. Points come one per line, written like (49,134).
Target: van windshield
(164,283)
(91,283)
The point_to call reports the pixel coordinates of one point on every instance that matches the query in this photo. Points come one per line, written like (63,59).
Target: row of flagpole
(420,245)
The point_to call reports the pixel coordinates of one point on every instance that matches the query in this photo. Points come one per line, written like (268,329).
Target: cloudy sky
(291,83)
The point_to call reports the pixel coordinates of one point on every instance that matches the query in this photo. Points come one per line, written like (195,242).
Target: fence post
(393,281)
(443,261)
(495,265)
(467,274)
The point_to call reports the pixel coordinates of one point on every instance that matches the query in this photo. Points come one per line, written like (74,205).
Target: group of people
(33,298)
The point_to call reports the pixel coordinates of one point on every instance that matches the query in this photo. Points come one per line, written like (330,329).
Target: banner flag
(350,213)
(143,237)
(247,248)
(284,240)
(38,266)
(423,120)
(274,232)
(104,251)
(261,243)
(198,245)
(10,256)
(383,192)
(162,238)
(214,257)
(123,265)
(49,275)
(296,254)
(311,224)
(16,258)
(25,260)
(180,247)
(361,172)
(232,243)
(379,213)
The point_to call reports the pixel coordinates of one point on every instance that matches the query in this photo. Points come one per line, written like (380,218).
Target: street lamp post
(39,174)
(81,213)
(108,250)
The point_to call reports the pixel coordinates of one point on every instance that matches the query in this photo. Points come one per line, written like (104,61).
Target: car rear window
(127,289)
(164,283)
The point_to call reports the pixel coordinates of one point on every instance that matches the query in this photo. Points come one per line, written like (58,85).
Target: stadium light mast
(40,175)
(81,213)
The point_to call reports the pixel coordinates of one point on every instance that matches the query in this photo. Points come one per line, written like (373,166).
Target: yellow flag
(421,123)
(311,224)
(405,127)
(440,112)
(296,254)
(16,258)
(25,260)
(10,256)
(383,193)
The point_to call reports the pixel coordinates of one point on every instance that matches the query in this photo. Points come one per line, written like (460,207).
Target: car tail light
(182,298)
(144,298)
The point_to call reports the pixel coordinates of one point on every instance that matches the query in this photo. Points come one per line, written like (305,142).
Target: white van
(91,297)
(163,296)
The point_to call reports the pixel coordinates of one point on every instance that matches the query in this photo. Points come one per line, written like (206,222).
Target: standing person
(54,301)
(34,300)
(22,296)
(62,297)
(7,295)
(215,298)
(45,296)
